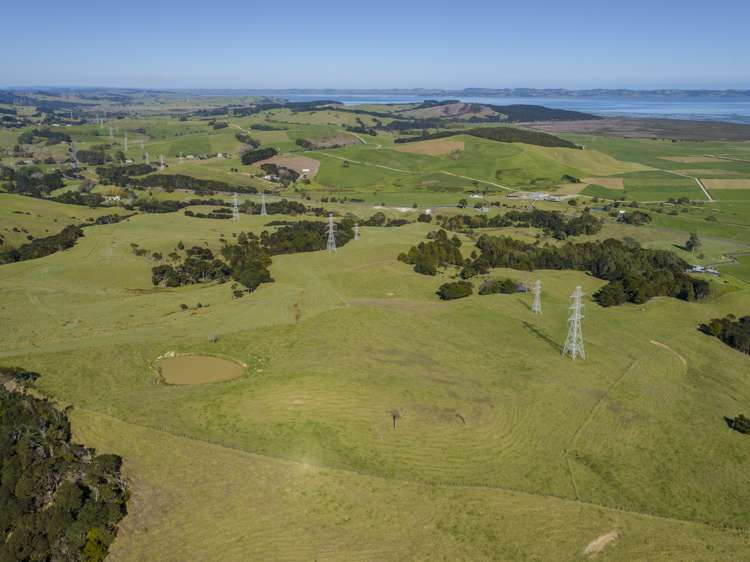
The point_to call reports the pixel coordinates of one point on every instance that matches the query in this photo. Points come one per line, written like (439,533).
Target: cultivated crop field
(363,418)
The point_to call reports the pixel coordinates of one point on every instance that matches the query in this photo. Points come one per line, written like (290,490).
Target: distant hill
(479,113)
(499,134)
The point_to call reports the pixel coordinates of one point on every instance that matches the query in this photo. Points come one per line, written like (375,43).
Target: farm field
(344,411)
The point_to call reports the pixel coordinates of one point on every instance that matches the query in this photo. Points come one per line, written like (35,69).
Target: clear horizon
(171,45)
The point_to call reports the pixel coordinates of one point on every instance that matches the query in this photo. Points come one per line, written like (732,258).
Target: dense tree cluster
(553,222)
(218,213)
(198,266)
(40,247)
(181,181)
(58,499)
(304,236)
(122,176)
(635,217)
(31,180)
(281,173)
(635,274)
(455,290)
(248,260)
(79,198)
(93,156)
(499,286)
(732,331)
(282,207)
(251,156)
(244,138)
(440,251)
(740,424)
(52,137)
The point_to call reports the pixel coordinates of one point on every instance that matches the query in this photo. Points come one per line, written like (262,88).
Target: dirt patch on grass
(436,147)
(727,184)
(300,164)
(571,188)
(198,369)
(600,543)
(691,159)
(609,183)
(334,141)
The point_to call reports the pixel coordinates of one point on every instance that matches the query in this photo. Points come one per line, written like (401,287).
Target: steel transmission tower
(111,133)
(536,308)
(235,208)
(331,244)
(263,211)
(125,142)
(74,155)
(161,161)
(148,160)
(356,231)
(574,342)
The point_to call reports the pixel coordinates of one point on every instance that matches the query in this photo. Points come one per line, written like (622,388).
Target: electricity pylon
(235,208)
(574,342)
(356,231)
(536,308)
(331,244)
(263,210)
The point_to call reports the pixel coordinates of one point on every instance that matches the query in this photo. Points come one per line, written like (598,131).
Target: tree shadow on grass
(539,334)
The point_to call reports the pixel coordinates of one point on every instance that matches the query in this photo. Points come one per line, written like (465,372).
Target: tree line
(733,331)
(635,274)
(553,222)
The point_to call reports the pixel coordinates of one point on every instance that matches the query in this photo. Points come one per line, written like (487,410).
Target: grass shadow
(539,334)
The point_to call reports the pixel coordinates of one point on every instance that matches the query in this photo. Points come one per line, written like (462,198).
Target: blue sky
(383,44)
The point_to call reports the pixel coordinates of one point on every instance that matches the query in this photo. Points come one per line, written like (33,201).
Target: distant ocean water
(725,109)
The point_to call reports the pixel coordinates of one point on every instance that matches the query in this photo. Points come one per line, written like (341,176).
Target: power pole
(536,308)
(235,208)
(263,210)
(331,244)
(356,231)
(574,342)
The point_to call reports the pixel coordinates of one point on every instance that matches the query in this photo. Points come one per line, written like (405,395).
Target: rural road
(696,180)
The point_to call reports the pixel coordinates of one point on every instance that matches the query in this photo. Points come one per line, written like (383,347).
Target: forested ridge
(498,134)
